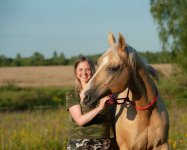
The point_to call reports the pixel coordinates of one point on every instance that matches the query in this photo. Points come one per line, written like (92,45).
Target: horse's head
(113,71)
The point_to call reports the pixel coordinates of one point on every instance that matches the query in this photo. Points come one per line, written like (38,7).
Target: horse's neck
(142,88)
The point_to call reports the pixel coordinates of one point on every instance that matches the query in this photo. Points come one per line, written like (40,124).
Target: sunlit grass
(178,128)
(48,130)
(34,130)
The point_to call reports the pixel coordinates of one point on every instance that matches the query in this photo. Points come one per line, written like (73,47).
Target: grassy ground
(178,128)
(36,130)
(46,130)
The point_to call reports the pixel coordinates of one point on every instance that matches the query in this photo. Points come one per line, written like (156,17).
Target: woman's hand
(103,102)
(82,119)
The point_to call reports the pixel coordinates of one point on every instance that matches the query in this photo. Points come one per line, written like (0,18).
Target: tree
(59,59)
(3,60)
(38,59)
(18,60)
(62,59)
(55,55)
(171,16)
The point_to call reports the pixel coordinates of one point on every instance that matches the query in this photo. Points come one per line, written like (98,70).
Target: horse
(141,121)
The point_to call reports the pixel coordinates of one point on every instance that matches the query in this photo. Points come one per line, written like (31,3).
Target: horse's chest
(129,130)
(135,131)
(133,136)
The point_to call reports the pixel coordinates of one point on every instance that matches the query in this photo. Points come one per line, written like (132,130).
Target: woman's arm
(82,119)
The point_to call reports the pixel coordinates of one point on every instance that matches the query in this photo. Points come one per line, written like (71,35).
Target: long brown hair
(81,58)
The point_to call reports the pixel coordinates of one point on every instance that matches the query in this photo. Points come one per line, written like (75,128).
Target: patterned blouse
(99,127)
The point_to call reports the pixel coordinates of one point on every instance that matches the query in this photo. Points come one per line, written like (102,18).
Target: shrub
(29,98)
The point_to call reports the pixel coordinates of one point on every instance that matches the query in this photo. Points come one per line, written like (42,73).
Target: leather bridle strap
(114,101)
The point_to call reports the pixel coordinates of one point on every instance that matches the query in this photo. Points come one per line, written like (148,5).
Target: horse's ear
(111,39)
(121,41)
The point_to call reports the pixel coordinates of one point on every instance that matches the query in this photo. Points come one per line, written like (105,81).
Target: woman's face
(83,72)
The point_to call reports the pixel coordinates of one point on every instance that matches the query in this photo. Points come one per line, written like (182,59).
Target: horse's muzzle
(89,99)
(86,98)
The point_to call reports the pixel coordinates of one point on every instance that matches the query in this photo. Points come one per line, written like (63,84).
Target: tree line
(38,59)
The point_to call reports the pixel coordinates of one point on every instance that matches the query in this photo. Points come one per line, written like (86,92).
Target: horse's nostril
(86,98)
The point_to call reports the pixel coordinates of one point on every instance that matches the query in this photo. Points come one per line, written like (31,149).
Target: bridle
(114,101)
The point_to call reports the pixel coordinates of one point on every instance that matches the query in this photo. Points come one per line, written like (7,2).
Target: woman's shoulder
(71,93)
(72,98)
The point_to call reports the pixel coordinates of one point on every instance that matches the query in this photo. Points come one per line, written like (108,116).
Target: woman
(90,127)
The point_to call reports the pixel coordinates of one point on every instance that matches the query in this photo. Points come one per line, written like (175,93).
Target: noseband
(114,101)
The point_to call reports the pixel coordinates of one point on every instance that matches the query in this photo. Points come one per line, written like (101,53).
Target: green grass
(173,90)
(16,98)
(48,130)
(178,128)
(31,130)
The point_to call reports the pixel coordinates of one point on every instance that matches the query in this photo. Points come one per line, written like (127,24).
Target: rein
(114,101)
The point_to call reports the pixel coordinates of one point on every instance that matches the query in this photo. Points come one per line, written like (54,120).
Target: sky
(74,26)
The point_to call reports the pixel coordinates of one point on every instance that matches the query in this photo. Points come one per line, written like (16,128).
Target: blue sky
(74,26)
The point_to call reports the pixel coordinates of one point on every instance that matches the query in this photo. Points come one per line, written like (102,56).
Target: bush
(16,98)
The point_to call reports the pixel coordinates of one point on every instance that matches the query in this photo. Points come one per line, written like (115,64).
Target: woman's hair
(81,58)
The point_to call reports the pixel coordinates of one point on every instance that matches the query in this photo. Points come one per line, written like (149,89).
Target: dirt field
(56,76)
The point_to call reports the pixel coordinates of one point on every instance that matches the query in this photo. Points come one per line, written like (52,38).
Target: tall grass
(173,89)
(17,98)
(34,130)
(178,128)
(48,130)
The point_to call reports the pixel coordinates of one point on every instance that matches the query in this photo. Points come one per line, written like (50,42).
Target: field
(48,129)
(58,76)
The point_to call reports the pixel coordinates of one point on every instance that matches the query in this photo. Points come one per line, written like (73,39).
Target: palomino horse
(142,121)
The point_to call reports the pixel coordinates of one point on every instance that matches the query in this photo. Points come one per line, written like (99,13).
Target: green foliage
(157,57)
(16,98)
(173,90)
(94,57)
(171,16)
(39,60)
(58,59)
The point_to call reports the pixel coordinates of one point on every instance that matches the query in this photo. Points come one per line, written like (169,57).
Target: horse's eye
(113,69)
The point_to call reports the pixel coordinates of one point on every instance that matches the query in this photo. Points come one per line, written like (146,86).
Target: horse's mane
(135,59)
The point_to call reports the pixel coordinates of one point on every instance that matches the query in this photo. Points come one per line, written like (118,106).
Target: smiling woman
(91,127)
